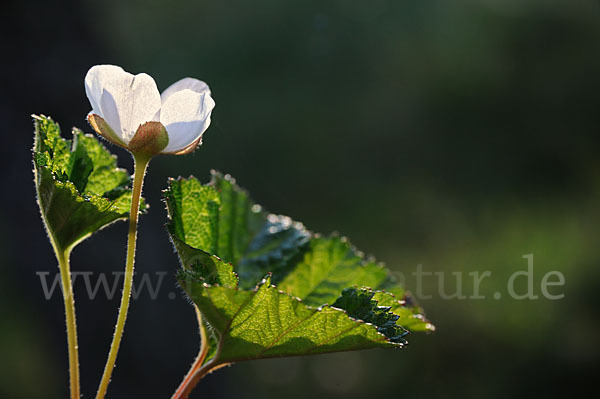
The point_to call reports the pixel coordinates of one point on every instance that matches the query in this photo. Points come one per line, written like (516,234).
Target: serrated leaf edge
(266,280)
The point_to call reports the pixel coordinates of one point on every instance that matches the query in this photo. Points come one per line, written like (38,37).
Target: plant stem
(198,371)
(188,380)
(140,165)
(67,289)
(194,378)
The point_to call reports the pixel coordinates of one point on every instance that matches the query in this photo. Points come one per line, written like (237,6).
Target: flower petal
(95,80)
(132,100)
(110,113)
(192,84)
(186,115)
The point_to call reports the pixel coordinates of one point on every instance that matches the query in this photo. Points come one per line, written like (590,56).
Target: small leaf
(219,233)
(80,189)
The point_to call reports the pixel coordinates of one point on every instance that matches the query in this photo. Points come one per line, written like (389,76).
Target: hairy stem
(195,377)
(141,164)
(67,289)
(184,387)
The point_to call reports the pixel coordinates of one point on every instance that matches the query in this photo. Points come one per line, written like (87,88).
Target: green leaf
(410,316)
(359,303)
(327,267)
(266,322)
(275,246)
(215,218)
(80,189)
(203,266)
(320,294)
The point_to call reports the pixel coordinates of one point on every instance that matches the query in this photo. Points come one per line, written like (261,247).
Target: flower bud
(149,139)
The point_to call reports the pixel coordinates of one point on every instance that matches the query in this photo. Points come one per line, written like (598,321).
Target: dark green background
(459,135)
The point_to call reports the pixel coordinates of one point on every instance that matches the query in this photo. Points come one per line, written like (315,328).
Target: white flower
(129,111)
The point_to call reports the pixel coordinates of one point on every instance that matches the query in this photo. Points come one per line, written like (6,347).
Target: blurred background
(454,135)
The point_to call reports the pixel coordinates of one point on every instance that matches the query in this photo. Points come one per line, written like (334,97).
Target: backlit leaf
(80,189)
(319,294)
